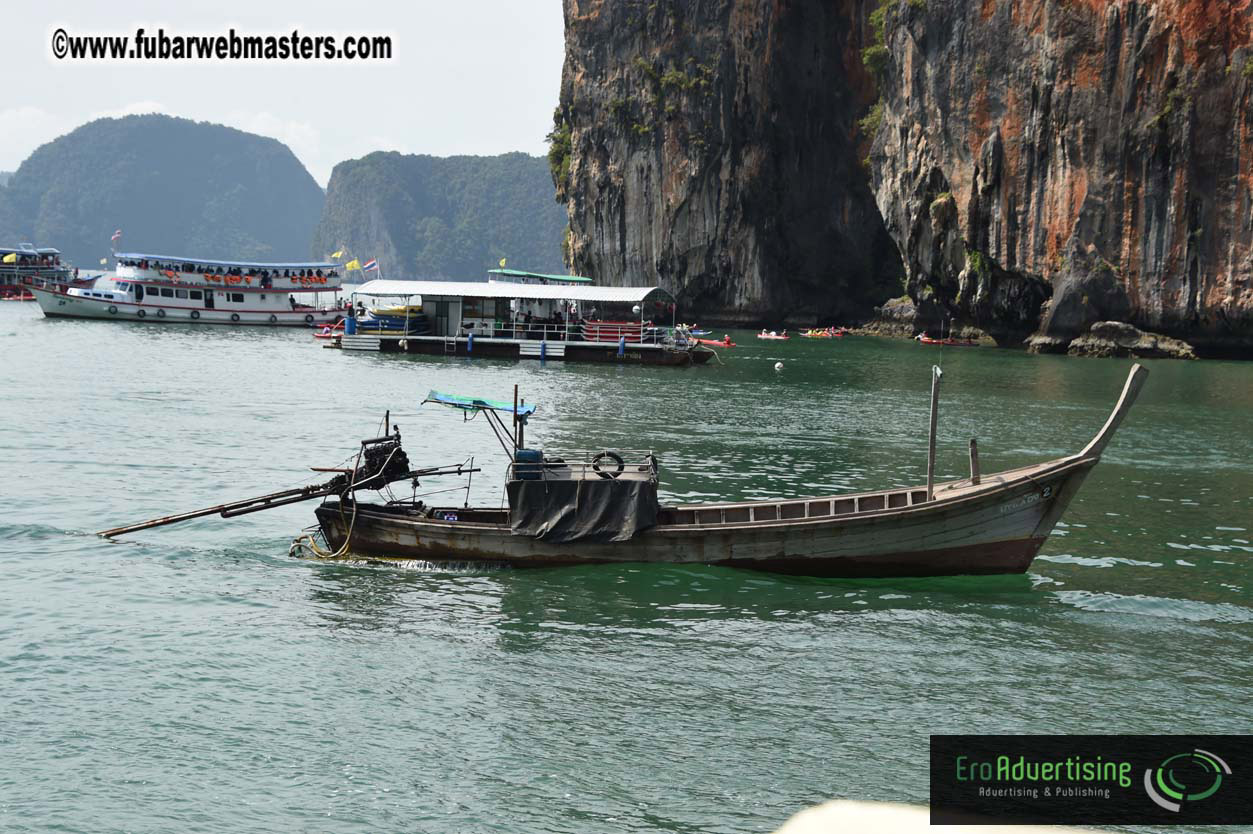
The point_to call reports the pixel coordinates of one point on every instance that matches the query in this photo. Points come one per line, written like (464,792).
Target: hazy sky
(466,77)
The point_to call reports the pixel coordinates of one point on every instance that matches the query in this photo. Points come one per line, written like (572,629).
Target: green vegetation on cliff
(559,153)
(173,186)
(454,217)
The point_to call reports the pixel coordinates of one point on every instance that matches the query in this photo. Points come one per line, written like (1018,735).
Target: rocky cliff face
(1054,163)
(711,146)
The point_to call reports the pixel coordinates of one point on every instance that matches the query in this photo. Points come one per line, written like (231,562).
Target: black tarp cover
(602,510)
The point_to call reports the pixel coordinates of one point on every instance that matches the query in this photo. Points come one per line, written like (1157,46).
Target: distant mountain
(453,217)
(5,176)
(173,186)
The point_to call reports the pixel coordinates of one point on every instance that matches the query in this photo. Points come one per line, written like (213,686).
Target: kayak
(774,338)
(927,340)
(715,343)
(328,332)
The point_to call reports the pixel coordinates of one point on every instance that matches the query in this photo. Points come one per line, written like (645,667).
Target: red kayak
(715,343)
(328,332)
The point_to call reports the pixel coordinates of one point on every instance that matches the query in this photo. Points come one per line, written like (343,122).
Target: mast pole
(521,426)
(936,373)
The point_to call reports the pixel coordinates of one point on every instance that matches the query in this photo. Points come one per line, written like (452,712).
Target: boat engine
(383,461)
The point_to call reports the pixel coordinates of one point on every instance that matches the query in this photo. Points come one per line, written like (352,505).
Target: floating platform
(489,347)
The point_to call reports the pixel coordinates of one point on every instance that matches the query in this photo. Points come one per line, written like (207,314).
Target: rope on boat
(714,352)
(309,542)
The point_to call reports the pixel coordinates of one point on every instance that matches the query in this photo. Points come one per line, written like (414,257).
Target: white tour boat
(23,265)
(166,289)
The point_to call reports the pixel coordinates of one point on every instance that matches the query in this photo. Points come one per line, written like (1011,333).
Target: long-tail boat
(603,508)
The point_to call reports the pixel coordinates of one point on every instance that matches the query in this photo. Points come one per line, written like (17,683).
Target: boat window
(263,296)
(180,293)
(237,297)
(166,292)
(196,294)
(474,308)
(123,287)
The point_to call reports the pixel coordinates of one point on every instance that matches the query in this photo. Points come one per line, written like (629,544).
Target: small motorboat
(404,319)
(923,338)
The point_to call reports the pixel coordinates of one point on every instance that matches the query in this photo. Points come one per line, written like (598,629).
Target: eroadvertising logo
(1193,780)
(1192,776)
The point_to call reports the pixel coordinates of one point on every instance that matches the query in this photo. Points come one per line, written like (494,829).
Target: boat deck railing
(631,464)
(574,331)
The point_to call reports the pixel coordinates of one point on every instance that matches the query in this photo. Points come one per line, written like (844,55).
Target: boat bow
(1130,390)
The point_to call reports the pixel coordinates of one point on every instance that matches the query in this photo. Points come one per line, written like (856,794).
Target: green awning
(519,273)
(476,403)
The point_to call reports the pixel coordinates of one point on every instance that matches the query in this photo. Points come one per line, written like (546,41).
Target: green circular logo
(1185,777)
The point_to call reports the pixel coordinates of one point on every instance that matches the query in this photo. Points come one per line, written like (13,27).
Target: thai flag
(116,235)
(370,264)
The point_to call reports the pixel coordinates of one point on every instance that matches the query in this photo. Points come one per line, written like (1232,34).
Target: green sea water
(197,679)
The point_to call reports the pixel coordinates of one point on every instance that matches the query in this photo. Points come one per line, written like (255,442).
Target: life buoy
(195,314)
(143,313)
(234,316)
(308,318)
(273,318)
(160,314)
(608,473)
(113,309)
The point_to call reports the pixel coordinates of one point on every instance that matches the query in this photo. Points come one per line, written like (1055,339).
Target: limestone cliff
(711,146)
(442,217)
(1100,153)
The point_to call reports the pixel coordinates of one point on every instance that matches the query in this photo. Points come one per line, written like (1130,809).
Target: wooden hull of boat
(994,528)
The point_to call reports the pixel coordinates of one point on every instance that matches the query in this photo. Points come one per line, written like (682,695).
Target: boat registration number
(1027,500)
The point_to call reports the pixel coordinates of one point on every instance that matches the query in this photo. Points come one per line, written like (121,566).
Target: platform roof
(139,256)
(520,273)
(504,289)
